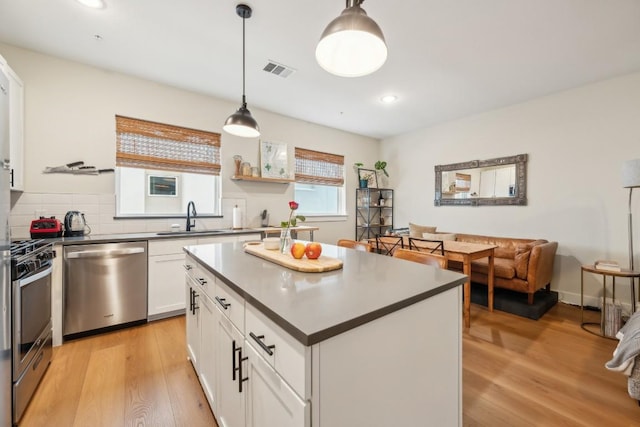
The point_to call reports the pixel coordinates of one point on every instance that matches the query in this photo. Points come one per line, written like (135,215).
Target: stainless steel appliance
(5,257)
(31,267)
(105,286)
(75,224)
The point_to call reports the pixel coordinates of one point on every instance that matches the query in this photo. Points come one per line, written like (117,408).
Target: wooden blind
(315,167)
(150,145)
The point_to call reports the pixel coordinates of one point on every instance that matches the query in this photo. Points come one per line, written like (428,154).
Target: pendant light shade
(352,45)
(242,123)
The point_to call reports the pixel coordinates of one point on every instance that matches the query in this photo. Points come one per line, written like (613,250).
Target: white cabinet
(269,400)
(241,383)
(230,374)
(192,321)
(264,377)
(287,356)
(166,278)
(16,127)
(166,272)
(208,356)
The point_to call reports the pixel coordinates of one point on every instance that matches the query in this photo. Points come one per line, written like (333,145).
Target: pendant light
(352,45)
(242,123)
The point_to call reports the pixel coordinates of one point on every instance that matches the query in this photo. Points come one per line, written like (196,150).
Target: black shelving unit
(374,212)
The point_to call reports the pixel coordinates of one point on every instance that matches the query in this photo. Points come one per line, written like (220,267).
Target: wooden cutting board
(324,263)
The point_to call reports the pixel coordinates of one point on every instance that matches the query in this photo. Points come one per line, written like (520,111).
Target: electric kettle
(75,224)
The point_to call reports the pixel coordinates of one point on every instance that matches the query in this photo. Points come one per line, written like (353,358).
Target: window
(319,187)
(160,168)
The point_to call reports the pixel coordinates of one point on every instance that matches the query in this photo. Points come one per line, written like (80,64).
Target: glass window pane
(139,192)
(319,199)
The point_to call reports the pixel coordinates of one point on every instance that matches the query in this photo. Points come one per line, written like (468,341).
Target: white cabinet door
(166,275)
(249,237)
(230,371)
(208,341)
(270,401)
(193,323)
(216,239)
(16,128)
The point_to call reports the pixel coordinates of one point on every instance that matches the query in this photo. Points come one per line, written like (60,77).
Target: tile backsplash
(99,211)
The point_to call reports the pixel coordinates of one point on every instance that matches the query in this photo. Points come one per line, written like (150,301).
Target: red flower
(293,205)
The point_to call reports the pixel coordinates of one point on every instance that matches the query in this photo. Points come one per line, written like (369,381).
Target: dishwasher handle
(106,253)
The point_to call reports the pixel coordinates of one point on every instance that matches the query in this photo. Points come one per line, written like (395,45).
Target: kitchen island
(376,343)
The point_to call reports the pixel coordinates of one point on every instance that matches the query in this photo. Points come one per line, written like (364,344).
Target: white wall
(69,116)
(577,142)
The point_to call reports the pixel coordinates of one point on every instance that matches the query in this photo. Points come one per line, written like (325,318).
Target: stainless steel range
(31,267)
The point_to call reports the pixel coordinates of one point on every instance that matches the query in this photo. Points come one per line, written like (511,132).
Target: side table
(624,273)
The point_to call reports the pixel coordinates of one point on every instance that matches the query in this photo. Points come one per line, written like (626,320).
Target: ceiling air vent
(278,69)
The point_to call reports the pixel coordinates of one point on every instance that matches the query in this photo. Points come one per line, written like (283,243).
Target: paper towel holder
(237,218)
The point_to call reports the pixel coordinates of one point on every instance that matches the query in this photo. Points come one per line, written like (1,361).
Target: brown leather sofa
(522,265)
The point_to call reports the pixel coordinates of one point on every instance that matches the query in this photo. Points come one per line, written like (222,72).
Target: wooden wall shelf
(260,179)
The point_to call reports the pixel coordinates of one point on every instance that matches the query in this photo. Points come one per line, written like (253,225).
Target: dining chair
(422,257)
(354,244)
(387,245)
(414,245)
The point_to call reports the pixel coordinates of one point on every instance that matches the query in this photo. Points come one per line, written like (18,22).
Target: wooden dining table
(463,252)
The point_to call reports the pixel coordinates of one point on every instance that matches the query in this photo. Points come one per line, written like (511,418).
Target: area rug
(515,302)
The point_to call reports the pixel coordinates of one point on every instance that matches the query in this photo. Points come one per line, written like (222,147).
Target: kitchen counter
(312,307)
(163,285)
(110,238)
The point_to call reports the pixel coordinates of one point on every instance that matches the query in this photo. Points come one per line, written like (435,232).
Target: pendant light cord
(244,101)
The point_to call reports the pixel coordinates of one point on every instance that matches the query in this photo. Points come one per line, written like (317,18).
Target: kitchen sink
(188,233)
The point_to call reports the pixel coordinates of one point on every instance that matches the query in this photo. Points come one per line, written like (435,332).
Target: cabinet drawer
(168,246)
(289,358)
(206,280)
(191,266)
(230,303)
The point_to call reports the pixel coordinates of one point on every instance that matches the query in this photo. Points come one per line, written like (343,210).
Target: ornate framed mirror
(500,181)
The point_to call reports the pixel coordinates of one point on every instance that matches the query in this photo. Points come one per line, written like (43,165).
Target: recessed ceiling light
(96,4)
(389,99)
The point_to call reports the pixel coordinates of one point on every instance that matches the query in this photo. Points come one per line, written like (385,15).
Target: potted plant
(381,166)
(364,179)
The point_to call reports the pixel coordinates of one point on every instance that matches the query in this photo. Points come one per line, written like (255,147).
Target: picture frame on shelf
(370,176)
(274,161)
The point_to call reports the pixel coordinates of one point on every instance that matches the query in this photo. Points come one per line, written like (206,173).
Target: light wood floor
(516,372)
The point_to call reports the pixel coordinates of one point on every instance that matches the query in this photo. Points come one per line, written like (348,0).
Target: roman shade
(315,167)
(150,145)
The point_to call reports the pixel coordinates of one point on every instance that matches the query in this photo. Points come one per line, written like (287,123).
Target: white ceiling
(447,58)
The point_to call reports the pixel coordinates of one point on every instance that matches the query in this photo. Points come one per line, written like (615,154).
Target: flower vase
(285,240)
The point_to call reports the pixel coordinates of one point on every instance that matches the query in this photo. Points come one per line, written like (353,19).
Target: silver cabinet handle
(108,253)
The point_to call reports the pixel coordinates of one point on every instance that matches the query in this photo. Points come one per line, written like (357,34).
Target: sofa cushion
(521,259)
(502,267)
(416,230)
(439,236)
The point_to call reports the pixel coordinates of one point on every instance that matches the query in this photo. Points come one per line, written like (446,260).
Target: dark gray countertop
(315,306)
(108,238)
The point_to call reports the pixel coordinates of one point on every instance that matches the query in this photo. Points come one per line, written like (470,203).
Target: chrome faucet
(191,213)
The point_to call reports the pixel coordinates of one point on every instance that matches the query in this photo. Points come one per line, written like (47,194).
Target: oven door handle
(37,276)
(102,254)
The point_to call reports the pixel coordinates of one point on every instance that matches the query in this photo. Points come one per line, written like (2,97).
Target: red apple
(313,250)
(297,250)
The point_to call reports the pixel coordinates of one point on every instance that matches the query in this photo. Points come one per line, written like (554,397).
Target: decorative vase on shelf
(383,180)
(285,240)
(238,161)
(364,183)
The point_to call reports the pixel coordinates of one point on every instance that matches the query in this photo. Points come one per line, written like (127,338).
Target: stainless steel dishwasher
(105,286)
